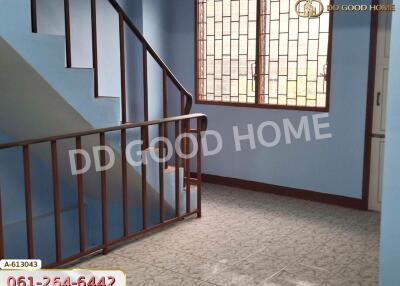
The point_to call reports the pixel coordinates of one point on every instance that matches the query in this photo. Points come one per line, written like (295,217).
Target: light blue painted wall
(148,16)
(134,83)
(390,228)
(46,54)
(332,166)
(108,50)
(154,29)
(51,21)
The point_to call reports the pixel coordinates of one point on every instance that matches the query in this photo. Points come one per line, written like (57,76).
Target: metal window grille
(293,54)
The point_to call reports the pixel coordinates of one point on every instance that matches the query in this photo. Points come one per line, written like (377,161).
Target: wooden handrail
(200,116)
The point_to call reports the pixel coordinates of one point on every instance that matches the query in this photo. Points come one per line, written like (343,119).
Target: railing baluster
(184,148)
(143,134)
(198,167)
(67,24)
(177,174)
(122,66)
(187,165)
(1,231)
(81,209)
(34,16)
(165,94)
(182,103)
(104,194)
(257,77)
(94,46)
(145,95)
(165,105)
(124,182)
(161,171)
(56,199)
(28,201)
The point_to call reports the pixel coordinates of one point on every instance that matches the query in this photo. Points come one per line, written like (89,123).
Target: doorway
(379,111)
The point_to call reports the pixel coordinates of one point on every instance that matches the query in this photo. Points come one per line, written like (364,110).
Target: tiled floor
(249,238)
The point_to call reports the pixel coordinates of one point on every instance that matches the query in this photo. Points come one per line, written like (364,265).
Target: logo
(309,8)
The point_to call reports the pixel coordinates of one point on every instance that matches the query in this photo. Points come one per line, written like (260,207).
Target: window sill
(263,106)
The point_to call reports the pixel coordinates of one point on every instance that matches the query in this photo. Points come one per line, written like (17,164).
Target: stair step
(40,216)
(193,188)
(80,68)
(169,169)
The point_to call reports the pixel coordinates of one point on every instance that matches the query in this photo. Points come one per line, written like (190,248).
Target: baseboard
(285,191)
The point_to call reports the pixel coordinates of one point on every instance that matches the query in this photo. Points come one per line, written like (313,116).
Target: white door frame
(376,109)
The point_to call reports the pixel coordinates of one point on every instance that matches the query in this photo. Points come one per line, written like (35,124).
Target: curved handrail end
(189,103)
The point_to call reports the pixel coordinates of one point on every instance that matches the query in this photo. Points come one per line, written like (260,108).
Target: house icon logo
(309,8)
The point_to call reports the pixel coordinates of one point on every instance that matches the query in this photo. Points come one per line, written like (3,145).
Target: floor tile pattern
(250,238)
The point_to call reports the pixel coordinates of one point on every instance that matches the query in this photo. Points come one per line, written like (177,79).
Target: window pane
(297,49)
(293,52)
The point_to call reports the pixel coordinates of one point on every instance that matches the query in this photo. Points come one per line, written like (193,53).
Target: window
(262,53)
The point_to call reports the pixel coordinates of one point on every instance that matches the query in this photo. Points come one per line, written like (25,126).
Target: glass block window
(292,59)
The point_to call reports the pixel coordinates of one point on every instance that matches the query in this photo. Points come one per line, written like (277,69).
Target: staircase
(93,211)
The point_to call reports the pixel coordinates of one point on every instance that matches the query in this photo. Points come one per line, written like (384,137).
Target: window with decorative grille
(262,53)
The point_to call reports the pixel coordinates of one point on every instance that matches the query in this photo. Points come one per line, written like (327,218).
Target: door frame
(370,105)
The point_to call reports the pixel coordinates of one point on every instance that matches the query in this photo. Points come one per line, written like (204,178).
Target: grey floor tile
(249,238)
(170,278)
(197,267)
(330,258)
(362,271)
(346,281)
(136,272)
(298,275)
(250,271)
(290,248)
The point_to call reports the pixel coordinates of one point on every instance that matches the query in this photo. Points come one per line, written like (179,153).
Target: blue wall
(51,21)
(390,229)
(50,15)
(333,166)
(155,22)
